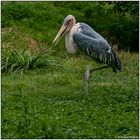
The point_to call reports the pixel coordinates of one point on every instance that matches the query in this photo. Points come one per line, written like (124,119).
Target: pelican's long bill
(60,34)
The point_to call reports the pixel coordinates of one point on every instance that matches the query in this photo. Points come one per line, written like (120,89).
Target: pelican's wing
(97,49)
(87,30)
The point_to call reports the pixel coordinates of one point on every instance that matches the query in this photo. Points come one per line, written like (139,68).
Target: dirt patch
(33,45)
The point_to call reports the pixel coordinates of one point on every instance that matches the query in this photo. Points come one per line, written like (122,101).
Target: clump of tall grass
(14,60)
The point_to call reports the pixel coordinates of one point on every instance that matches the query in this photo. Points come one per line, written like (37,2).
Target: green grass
(52,103)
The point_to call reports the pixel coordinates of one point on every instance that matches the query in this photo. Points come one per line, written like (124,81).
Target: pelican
(83,37)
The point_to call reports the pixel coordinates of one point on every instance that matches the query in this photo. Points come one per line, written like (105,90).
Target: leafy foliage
(118,18)
(126,7)
(14,60)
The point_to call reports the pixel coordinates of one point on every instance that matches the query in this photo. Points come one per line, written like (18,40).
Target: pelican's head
(68,23)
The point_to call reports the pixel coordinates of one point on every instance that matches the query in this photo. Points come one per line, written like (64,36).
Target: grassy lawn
(51,103)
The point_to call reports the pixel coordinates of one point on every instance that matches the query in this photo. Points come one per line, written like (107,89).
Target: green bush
(14,60)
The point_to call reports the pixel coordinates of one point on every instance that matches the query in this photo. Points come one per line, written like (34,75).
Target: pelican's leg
(88,72)
(87,75)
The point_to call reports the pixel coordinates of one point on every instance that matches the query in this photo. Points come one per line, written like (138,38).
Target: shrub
(14,60)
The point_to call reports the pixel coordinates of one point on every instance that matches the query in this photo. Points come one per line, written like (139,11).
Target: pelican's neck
(69,43)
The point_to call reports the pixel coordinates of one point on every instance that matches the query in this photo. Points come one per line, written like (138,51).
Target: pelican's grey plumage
(82,36)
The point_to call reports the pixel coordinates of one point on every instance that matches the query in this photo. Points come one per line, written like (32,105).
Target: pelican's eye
(69,21)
